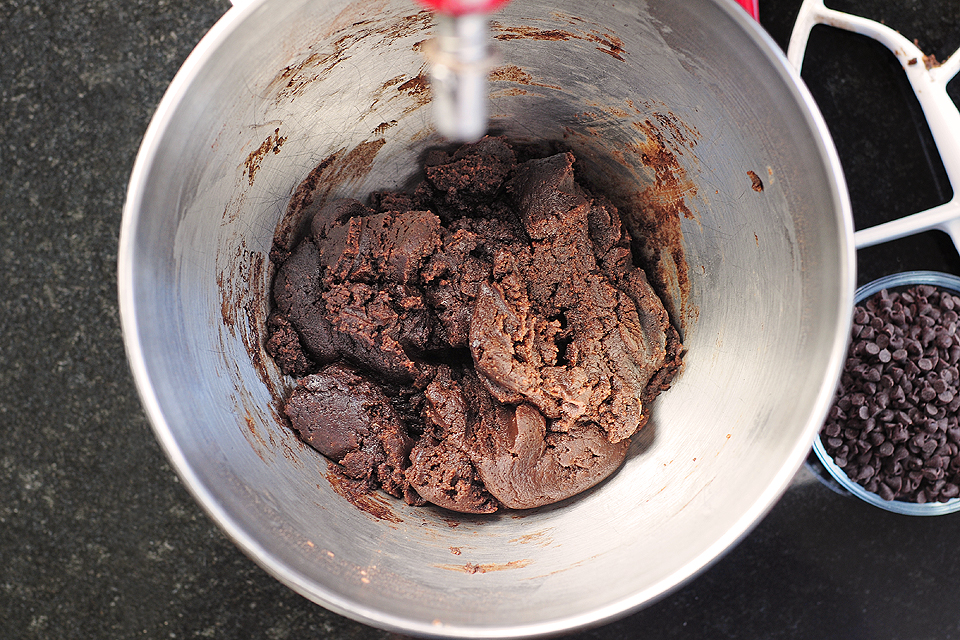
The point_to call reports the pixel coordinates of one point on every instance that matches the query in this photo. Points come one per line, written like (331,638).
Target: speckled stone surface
(99,540)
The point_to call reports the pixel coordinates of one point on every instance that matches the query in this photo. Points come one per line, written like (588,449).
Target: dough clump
(484,341)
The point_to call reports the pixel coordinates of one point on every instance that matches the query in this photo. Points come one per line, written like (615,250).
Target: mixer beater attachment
(929,80)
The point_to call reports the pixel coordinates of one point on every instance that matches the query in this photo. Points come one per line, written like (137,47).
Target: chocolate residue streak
(293,80)
(486,567)
(609,44)
(531,33)
(510,73)
(416,90)
(405,26)
(242,294)
(682,134)
(355,13)
(654,214)
(272,143)
(755,182)
(256,313)
(659,154)
(392,82)
(333,171)
(503,93)
(539,538)
(612,110)
(253,334)
(417,86)
(383,126)
(226,304)
(513,73)
(252,428)
(360,496)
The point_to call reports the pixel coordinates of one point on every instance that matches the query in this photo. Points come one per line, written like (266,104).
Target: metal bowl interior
(897,281)
(759,278)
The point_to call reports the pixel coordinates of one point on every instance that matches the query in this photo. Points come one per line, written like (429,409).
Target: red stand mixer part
(460,59)
(461,7)
(752,7)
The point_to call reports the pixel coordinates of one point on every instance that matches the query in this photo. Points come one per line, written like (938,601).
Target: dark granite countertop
(99,540)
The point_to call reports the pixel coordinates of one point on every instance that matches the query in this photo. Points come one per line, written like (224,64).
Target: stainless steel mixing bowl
(669,105)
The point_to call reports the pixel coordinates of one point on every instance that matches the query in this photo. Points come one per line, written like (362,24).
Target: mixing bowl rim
(297,581)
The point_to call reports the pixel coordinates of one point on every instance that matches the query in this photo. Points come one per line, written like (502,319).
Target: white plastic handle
(930,86)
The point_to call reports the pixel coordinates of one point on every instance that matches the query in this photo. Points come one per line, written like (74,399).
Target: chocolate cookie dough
(482,341)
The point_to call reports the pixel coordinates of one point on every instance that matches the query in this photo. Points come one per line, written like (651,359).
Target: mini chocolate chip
(900,433)
(885,492)
(932,474)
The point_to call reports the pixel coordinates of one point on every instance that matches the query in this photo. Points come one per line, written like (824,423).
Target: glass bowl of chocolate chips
(892,436)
